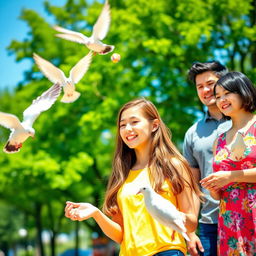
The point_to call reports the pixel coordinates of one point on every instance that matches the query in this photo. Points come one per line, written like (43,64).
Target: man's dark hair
(200,67)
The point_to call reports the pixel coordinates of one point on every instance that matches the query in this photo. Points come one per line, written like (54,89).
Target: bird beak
(138,192)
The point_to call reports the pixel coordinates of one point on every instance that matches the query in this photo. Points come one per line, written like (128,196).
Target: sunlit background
(70,157)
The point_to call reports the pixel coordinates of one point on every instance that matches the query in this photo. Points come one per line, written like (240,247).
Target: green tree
(70,158)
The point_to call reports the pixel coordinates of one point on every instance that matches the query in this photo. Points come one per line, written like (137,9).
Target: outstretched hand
(216,181)
(79,211)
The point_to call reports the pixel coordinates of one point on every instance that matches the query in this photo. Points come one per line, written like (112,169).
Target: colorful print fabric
(237,215)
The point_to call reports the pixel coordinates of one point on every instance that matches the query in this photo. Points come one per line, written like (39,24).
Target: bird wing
(73,38)
(78,71)
(101,27)
(9,121)
(71,35)
(168,215)
(164,211)
(41,103)
(54,74)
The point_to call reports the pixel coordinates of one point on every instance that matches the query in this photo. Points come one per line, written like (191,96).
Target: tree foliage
(70,157)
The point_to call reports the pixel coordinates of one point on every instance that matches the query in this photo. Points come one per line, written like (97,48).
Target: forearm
(196,173)
(192,218)
(197,205)
(191,222)
(111,229)
(192,213)
(246,175)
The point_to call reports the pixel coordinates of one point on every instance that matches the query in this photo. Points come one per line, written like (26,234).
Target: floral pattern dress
(237,215)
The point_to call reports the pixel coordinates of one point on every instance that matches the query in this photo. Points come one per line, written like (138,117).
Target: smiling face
(228,102)
(204,85)
(135,129)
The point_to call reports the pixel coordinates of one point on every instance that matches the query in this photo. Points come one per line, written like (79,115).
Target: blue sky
(11,72)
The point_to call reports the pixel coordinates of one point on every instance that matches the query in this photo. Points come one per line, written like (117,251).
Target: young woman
(145,155)
(234,180)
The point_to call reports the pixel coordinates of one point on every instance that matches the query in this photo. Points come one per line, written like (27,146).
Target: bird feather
(101,27)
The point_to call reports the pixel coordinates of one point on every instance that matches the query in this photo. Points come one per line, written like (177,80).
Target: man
(197,150)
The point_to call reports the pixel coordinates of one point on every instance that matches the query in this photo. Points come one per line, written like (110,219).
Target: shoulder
(214,147)
(192,129)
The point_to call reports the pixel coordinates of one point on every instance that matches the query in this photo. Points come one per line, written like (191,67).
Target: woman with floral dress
(234,179)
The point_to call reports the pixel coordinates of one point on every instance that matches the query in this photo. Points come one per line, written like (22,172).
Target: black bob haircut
(237,82)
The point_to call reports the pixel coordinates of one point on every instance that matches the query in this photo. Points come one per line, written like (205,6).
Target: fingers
(192,249)
(71,210)
(204,180)
(193,252)
(208,178)
(213,186)
(74,204)
(210,183)
(196,249)
(207,182)
(74,214)
(200,246)
(68,209)
(194,246)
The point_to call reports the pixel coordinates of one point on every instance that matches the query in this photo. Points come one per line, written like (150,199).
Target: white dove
(56,75)
(100,30)
(238,148)
(20,131)
(164,211)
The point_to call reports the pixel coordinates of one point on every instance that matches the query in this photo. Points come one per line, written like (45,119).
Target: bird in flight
(20,131)
(56,75)
(100,30)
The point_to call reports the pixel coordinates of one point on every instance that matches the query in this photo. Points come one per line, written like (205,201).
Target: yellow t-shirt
(143,235)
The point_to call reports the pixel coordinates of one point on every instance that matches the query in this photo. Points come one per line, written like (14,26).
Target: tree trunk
(39,229)
(242,62)
(53,239)
(5,248)
(77,238)
(53,233)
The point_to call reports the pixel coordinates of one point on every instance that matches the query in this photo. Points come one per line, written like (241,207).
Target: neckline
(249,127)
(242,133)
(136,170)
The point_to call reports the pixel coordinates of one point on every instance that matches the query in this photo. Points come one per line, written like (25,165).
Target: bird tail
(10,149)
(180,227)
(107,50)
(67,98)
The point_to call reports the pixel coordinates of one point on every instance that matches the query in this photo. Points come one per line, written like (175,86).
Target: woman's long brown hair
(162,154)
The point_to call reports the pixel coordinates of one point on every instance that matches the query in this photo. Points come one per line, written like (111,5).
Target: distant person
(197,149)
(234,178)
(145,155)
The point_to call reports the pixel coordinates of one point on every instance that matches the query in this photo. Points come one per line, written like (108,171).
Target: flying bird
(56,75)
(164,211)
(100,30)
(20,131)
